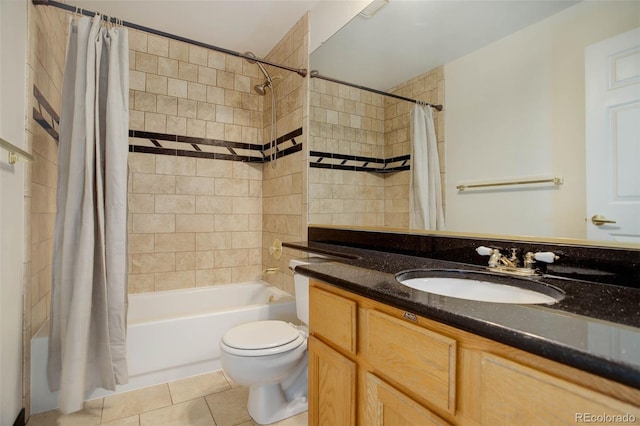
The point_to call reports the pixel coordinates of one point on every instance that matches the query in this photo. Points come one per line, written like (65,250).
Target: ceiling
(407,38)
(238,25)
(403,39)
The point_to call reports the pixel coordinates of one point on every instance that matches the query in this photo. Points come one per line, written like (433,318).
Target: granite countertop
(595,328)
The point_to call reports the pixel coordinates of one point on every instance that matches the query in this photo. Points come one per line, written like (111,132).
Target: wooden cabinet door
(511,393)
(332,386)
(386,406)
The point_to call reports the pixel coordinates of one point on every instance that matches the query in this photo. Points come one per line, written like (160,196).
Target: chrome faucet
(511,265)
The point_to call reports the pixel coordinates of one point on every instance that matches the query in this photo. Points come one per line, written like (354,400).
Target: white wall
(13,30)
(515,109)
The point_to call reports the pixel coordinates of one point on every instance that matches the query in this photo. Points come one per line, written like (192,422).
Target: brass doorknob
(599,220)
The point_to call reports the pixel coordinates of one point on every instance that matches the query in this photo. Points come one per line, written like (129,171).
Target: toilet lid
(260,335)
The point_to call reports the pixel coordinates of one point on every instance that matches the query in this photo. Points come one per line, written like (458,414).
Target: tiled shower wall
(427,87)
(47,44)
(350,121)
(284,186)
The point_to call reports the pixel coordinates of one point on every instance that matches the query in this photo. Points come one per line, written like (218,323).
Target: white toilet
(271,358)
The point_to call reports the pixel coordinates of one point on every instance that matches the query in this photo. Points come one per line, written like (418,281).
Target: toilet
(271,358)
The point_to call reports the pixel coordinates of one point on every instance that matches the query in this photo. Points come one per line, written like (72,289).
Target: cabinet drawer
(512,393)
(333,318)
(420,360)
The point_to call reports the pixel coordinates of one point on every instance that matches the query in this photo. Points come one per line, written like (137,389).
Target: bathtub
(173,334)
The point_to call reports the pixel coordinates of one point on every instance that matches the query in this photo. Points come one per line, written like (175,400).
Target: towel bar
(15,152)
(554,180)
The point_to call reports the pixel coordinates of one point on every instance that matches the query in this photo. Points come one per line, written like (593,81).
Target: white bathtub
(173,334)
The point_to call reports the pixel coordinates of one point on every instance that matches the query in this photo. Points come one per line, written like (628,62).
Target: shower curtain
(425,191)
(87,340)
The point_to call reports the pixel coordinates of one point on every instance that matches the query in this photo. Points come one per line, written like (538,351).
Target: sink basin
(480,286)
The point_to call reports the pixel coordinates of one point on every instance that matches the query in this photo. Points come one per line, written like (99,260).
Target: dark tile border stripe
(50,125)
(358,163)
(257,153)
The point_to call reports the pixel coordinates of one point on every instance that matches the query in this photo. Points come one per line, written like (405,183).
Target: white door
(612,78)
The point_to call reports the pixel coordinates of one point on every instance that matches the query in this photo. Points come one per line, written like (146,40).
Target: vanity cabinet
(373,364)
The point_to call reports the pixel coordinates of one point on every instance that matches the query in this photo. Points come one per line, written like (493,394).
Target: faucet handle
(484,251)
(546,256)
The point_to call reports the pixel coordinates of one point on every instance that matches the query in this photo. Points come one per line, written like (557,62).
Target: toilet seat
(262,338)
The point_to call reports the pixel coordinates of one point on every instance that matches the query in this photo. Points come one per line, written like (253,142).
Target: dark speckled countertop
(595,328)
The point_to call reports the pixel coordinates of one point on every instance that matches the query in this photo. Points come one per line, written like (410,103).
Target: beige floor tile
(229,407)
(88,416)
(198,386)
(301,419)
(135,402)
(231,382)
(190,413)
(129,421)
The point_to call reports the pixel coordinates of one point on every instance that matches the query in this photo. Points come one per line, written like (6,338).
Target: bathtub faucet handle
(270,271)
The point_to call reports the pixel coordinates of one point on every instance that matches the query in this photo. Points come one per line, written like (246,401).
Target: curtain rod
(300,71)
(316,74)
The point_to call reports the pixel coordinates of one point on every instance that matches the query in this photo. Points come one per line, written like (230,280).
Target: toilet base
(268,404)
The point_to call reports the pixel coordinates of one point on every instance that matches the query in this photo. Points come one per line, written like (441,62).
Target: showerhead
(261,89)
(264,71)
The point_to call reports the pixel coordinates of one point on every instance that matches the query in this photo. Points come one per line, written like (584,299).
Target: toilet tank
(302,286)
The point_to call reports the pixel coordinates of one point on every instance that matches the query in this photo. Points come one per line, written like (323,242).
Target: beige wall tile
(245,240)
(155,122)
(144,183)
(156,84)
(157,45)
(141,243)
(207,75)
(231,222)
(176,242)
(152,263)
(174,165)
(178,50)
(194,185)
(187,71)
(175,280)
(176,125)
(213,241)
(144,101)
(153,223)
(204,260)
(206,277)
(230,258)
(137,80)
(185,261)
(246,205)
(176,88)
(138,41)
(214,168)
(218,205)
(141,283)
(146,63)
(194,223)
(168,67)
(167,105)
(175,204)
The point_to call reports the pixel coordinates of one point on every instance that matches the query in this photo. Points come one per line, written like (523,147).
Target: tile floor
(207,400)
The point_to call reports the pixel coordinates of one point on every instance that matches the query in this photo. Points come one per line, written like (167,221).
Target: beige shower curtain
(425,190)
(87,342)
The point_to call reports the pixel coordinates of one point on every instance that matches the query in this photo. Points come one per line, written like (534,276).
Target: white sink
(474,286)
